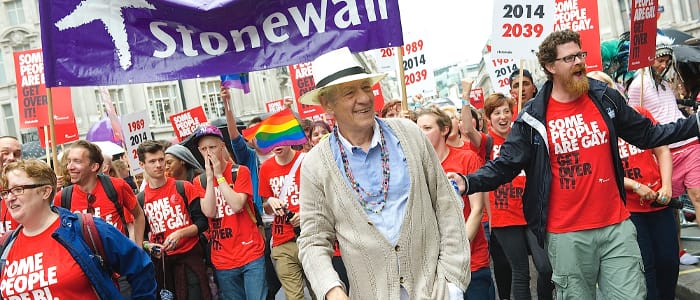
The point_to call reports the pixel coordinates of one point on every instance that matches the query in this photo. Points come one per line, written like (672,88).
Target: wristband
(466,183)
(637,185)
(221,180)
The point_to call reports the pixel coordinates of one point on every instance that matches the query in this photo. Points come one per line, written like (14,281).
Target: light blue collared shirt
(366,167)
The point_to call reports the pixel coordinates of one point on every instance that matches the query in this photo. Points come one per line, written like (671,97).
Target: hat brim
(311,97)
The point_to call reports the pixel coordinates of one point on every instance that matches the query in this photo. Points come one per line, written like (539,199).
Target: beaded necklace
(361,192)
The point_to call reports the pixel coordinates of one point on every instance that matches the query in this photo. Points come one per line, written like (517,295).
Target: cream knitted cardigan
(432,248)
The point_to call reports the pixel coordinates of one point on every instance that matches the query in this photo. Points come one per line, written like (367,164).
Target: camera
(673,203)
(289,214)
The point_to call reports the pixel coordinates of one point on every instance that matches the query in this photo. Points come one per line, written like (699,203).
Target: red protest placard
(476,98)
(582,17)
(185,122)
(62,106)
(642,34)
(303,82)
(65,133)
(378,97)
(31,91)
(274,105)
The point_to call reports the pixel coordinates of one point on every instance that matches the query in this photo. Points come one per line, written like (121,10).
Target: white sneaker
(688,259)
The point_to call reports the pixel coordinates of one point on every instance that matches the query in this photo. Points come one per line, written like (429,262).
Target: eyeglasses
(570,58)
(19,190)
(91,201)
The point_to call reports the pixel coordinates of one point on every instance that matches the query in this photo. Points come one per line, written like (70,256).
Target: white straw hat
(336,67)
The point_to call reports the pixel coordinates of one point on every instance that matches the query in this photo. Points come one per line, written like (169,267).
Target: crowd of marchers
(430,204)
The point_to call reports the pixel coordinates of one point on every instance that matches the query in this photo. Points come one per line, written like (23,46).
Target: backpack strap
(234,172)
(112,195)
(180,187)
(91,236)
(66,195)
(6,241)
(141,198)
(203,180)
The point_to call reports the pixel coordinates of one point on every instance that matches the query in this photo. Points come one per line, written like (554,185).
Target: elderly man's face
(10,150)
(352,104)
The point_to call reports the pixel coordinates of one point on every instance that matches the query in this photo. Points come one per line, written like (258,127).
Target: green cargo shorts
(607,256)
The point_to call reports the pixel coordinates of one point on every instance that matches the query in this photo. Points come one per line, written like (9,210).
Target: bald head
(10,150)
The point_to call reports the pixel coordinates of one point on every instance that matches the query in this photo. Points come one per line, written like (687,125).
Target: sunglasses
(91,202)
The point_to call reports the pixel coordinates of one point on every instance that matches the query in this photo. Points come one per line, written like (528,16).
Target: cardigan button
(401,281)
(397,248)
(370,223)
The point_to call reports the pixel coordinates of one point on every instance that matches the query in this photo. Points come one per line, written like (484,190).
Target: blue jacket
(527,148)
(123,257)
(246,156)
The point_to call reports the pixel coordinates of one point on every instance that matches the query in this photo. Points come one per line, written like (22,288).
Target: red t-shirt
(641,166)
(466,162)
(272,177)
(481,150)
(481,153)
(39,267)
(235,238)
(167,212)
(583,193)
(104,208)
(507,200)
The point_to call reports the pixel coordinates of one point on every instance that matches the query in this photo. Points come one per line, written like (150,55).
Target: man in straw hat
(377,186)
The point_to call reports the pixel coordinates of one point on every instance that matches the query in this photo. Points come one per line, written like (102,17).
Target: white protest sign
(136,130)
(519,26)
(418,73)
(499,72)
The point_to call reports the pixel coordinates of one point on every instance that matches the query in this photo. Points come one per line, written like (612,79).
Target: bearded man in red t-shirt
(566,141)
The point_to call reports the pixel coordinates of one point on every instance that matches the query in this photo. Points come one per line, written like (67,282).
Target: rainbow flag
(280,129)
(236,81)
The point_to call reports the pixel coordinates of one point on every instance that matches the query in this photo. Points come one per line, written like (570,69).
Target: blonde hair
(602,76)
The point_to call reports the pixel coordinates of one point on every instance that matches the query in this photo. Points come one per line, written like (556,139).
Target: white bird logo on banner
(109,12)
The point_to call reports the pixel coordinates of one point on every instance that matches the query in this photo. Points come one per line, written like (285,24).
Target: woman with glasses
(47,255)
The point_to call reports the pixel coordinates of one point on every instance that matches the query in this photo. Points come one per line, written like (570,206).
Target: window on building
(161,101)
(30,135)
(15,12)
(21,47)
(3,76)
(211,100)
(9,118)
(694,9)
(625,7)
(117,96)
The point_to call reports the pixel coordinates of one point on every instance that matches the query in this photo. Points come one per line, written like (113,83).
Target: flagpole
(46,142)
(52,129)
(402,81)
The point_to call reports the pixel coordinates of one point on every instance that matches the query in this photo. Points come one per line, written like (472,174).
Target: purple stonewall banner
(108,42)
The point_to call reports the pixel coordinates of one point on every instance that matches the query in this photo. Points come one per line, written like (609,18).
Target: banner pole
(402,80)
(52,129)
(641,90)
(520,84)
(46,142)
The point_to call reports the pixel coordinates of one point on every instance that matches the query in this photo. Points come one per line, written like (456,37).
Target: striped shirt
(660,102)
